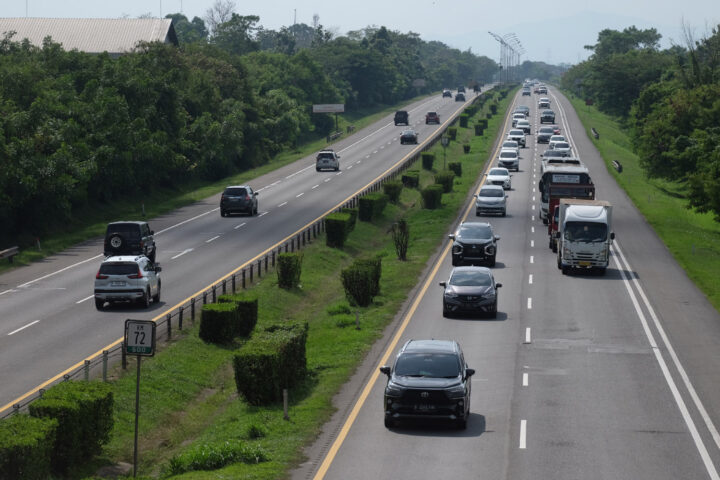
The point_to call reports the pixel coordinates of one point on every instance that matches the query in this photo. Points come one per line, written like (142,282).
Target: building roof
(92,35)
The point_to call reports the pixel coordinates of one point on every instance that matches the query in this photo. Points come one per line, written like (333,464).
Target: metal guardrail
(595,133)
(617,166)
(9,253)
(97,366)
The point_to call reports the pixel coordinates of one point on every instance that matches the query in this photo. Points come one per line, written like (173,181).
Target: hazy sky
(552,31)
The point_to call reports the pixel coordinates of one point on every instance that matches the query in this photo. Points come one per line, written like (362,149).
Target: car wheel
(455,261)
(461,423)
(317,169)
(156,297)
(389,423)
(145,299)
(491,262)
(152,256)
(493,312)
(256,209)
(99,304)
(504,213)
(565,270)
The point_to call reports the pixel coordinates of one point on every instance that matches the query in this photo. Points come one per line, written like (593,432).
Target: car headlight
(457,391)
(490,249)
(457,248)
(451,294)
(393,390)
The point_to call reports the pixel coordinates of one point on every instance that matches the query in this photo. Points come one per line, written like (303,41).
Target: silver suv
(127,278)
(491,199)
(327,159)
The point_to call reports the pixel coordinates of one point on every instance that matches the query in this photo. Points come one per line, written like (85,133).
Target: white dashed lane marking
(23,328)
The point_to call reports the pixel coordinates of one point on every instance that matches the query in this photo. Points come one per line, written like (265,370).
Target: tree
(219,13)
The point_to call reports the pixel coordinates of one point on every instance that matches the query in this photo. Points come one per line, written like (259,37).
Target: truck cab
(584,235)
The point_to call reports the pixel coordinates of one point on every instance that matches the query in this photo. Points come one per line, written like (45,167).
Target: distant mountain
(561,40)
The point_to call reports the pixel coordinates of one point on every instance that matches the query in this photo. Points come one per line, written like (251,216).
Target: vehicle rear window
(436,365)
(470,278)
(508,154)
(235,192)
(128,230)
(326,155)
(118,268)
(491,192)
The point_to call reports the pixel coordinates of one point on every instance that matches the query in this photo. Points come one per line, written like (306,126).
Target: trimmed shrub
(289,269)
(446,178)
(246,312)
(215,456)
(456,168)
(427,160)
(411,179)
(271,360)
(375,265)
(464,117)
(84,414)
(217,323)
(359,283)
(26,447)
(466,148)
(483,122)
(452,133)
(432,196)
(479,130)
(353,212)
(401,238)
(393,189)
(471,110)
(371,206)
(337,228)
(493,107)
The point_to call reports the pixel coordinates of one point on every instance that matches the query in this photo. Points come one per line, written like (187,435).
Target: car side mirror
(612,235)
(255,194)
(469,372)
(158,268)
(338,156)
(443,284)
(152,232)
(497,237)
(385,369)
(498,285)
(451,236)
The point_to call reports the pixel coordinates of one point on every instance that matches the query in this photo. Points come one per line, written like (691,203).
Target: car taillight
(136,275)
(100,277)
(247,197)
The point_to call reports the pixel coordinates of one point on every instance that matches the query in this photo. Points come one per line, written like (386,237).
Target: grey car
(470,290)
(238,199)
(127,278)
(491,199)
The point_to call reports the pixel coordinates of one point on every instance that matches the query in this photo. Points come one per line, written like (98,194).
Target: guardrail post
(86,370)
(205,297)
(243,278)
(224,286)
(192,309)
(292,244)
(180,315)
(266,263)
(41,392)
(123,355)
(233,283)
(251,273)
(16,408)
(66,377)
(273,258)
(259,267)
(169,321)
(303,238)
(214,293)
(286,247)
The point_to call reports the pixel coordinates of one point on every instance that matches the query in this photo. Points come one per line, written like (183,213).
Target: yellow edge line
(182,302)
(391,347)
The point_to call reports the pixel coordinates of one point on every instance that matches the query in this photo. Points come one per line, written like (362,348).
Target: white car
(557,138)
(544,102)
(509,159)
(510,145)
(499,176)
(491,199)
(523,125)
(127,278)
(516,117)
(517,135)
(562,147)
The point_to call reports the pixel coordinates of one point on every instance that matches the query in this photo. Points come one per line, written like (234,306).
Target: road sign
(329,108)
(140,337)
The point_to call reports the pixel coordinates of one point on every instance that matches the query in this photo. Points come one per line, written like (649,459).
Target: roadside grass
(692,238)
(187,394)
(89,222)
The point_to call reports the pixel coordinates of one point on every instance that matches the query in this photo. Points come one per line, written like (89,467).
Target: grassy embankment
(188,395)
(90,222)
(693,238)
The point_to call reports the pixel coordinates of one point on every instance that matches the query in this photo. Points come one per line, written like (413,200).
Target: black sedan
(474,243)
(408,136)
(447,93)
(460,97)
(238,199)
(470,290)
(429,380)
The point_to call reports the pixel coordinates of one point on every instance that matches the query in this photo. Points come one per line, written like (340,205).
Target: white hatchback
(499,176)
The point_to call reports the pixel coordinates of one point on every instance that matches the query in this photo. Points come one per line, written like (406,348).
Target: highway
(48,318)
(580,376)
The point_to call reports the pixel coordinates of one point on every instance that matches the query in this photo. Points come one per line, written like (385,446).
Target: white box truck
(584,235)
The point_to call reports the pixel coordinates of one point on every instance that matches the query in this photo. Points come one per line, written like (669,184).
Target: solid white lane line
(23,328)
(299,195)
(525,379)
(7,291)
(85,299)
(528,338)
(188,250)
(314,187)
(530,279)
(529,303)
(213,238)
(523,434)
(282,204)
(183,222)
(241,225)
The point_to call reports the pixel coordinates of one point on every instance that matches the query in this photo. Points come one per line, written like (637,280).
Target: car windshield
(118,268)
(436,365)
(499,171)
(585,232)
(491,192)
(237,192)
(475,231)
(470,278)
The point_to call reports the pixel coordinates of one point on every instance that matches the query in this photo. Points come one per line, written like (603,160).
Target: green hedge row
(411,179)
(273,359)
(456,168)
(353,212)
(246,311)
(452,133)
(26,447)
(464,117)
(427,160)
(432,196)
(289,269)
(393,189)
(217,323)
(371,206)
(337,229)
(446,178)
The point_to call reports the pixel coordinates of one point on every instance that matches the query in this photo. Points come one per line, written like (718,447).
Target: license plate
(424,408)
(117,284)
(584,264)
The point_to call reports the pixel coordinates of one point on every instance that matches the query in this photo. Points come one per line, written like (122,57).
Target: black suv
(429,380)
(401,116)
(547,116)
(130,238)
(238,198)
(474,243)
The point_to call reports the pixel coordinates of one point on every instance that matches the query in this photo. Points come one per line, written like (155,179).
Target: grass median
(188,396)
(692,238)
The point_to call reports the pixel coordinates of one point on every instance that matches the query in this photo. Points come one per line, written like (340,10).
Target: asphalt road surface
(48,320)
(579,377)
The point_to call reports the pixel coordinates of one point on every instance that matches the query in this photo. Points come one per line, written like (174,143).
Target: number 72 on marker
(140,337)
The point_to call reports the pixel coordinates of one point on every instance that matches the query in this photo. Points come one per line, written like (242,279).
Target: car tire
(565,270)
(256,209)
(99,304)
(493,312)
(156,297)
(152,256)
(461,423)
(491,262)
(145,300)
(504,213)
(455,262)
(317,169)
(389,422)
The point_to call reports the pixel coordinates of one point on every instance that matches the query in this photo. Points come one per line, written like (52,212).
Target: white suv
(127,278)
(327,159)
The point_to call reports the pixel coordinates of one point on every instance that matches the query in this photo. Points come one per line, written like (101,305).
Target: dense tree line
(78,129)
(669,101)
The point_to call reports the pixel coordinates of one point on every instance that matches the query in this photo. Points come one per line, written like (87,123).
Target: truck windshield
(585,232)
